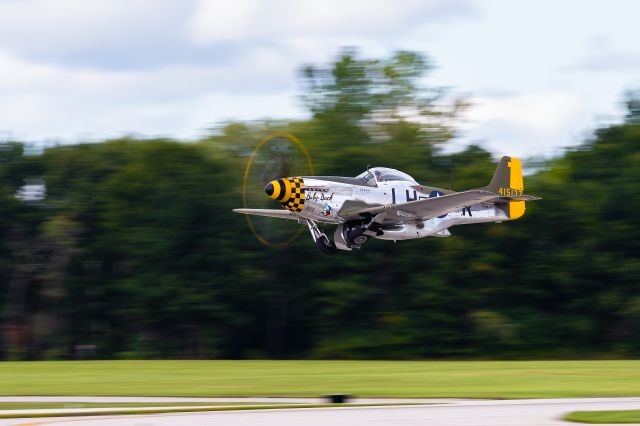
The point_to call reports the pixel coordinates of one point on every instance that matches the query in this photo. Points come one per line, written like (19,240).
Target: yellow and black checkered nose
(289,191)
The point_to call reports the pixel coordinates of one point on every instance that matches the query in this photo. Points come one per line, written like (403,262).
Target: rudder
(507,182)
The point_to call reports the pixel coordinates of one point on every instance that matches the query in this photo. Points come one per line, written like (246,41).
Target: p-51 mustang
(390,205)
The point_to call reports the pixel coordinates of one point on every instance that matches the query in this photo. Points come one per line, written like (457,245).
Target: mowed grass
(465,379)
(624,416)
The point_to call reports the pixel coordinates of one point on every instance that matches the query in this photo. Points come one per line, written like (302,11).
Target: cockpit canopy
(384,174)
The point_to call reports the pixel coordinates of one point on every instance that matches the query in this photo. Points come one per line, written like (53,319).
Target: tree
(370,107)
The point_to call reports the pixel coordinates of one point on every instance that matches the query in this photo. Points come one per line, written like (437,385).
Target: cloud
(143,34)
(103,67)
(525,123)
(40,101)
(605,56)
(72,68)
(103,33)
(277,20)
(611,61)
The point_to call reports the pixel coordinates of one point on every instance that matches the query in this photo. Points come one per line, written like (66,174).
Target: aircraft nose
(269,189)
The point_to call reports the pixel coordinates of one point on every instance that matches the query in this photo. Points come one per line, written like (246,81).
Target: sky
(540,75)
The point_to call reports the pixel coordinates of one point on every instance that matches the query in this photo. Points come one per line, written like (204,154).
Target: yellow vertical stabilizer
(516,208)
(507,182)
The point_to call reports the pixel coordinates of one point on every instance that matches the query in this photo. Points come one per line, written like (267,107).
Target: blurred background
(126,127)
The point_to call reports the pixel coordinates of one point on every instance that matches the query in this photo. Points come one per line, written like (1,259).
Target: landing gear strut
(321,240)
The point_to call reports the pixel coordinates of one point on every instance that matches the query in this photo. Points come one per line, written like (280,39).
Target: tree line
(134,251)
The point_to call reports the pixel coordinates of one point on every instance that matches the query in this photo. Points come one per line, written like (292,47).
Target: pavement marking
(230,410)
(488,412)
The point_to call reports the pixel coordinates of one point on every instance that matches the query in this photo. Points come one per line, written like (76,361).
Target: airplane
(388,204)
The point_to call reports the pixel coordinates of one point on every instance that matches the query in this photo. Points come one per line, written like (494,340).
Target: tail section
(507,182)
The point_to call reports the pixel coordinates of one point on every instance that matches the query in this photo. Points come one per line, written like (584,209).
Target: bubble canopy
(384,174)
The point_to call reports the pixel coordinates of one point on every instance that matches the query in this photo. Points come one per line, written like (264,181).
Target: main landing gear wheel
(325,245)
(356,237)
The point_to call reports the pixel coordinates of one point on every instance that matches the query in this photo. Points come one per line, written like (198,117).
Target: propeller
(278,155)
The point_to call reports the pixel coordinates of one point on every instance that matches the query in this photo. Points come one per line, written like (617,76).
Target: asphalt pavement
(529,412)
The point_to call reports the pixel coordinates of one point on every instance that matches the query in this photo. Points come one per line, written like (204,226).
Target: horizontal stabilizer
(521,198)
(282,214)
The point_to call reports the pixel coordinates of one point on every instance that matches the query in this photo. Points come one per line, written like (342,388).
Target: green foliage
(135,252)
(364,108)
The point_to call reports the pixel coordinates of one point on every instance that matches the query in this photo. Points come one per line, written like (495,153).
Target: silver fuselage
(324,199)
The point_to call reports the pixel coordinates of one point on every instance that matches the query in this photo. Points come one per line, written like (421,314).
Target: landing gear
(325,245)
(356,233)
(356,237)
(349,235)
(320,239)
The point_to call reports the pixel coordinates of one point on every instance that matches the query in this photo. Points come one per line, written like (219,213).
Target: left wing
(430,207)
(282,214)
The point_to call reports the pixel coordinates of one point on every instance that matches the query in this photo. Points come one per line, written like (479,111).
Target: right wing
(430,207)
(282,214)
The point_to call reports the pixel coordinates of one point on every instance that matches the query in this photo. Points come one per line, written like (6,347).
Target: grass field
(470,379)
(624,416)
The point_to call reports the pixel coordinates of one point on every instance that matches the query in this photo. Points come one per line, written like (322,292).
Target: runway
(530,412)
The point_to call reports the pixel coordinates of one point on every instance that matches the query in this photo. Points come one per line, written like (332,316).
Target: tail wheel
(325,245)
